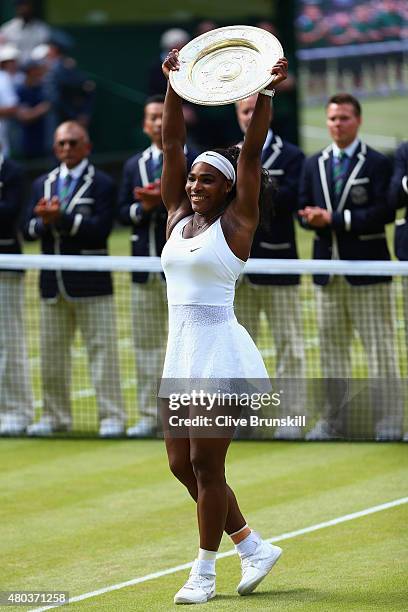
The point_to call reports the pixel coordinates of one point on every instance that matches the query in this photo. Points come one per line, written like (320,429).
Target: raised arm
(174,175)
(245,205)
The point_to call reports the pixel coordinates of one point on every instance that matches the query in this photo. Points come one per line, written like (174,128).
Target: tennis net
(333,335)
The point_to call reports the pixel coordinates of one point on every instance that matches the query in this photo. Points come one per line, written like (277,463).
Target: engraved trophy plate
(226,65)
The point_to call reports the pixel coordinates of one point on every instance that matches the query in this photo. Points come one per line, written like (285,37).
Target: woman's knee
(181,468)
(207,470)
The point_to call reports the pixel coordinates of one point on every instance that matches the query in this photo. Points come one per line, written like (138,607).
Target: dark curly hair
(267,191)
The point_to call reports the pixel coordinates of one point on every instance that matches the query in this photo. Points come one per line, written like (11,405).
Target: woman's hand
(171,62)
(280,70)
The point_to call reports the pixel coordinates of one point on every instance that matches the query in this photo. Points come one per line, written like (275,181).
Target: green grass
(82,515)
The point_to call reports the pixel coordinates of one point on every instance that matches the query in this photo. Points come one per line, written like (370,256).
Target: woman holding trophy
(213,212)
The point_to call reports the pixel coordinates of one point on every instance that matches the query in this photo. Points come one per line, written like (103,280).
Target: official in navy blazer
(71,211)
(277,296)
(398,198)
(343,199)
(16,402)
(141,207)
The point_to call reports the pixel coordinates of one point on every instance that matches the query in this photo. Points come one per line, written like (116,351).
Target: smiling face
(343,124)
(207,189)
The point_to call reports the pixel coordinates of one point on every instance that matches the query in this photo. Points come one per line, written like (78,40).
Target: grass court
(81,515)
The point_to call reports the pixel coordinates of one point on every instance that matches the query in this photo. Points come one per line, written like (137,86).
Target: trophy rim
(179,80)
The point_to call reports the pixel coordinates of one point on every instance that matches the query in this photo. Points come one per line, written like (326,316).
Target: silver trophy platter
(226,65)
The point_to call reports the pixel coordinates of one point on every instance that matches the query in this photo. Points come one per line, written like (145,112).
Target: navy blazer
(275,238)
(364,195)
(148,228)
(11,202)
(83,229)
(398,198)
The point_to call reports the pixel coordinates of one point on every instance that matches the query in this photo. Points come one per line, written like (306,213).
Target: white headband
(218,161)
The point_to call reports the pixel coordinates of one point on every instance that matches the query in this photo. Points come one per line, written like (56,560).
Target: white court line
(230,553)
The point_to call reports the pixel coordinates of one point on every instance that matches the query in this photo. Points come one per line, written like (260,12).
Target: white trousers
(95,318)
(282,307)
(368,310)
(149,318)
(15,385)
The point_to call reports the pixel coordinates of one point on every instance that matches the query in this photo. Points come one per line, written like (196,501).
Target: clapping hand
(316,216)
(149,196)
(48,210)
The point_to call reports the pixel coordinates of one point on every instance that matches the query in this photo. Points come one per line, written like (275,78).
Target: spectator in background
(32,110)
(69,91)
(9,62)
(175,38)
(277,297)
(24,31)
(71,211)
(9,69)
(343,198)
(141,206)
(16,401)
(8,109)
(341,33)
(312,29)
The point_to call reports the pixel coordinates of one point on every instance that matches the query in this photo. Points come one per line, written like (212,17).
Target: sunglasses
(72,142)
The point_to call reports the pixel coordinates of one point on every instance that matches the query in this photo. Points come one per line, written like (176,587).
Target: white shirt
(156,152)
(350,150)
(75,172)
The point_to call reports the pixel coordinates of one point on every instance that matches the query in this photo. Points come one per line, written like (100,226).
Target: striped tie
(340,166)
(65,191)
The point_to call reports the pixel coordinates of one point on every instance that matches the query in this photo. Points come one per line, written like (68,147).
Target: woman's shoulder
(179,218)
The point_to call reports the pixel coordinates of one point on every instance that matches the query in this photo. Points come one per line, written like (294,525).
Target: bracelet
(268,92)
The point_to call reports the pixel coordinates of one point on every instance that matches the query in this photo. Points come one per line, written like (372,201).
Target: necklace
(197,226)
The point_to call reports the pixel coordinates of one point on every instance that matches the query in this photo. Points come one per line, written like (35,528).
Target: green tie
(65,191)
(340,165)
(158,167)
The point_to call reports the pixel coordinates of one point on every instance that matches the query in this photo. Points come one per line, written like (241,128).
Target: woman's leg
(207,457)
(178,452)
(199,463)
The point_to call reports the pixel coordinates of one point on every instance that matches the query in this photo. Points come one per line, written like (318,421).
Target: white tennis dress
(205,339)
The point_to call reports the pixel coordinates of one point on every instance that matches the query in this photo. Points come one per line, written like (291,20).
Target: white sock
(206,561)
(249,545)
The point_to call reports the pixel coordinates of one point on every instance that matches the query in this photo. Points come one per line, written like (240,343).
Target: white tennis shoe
(199,588)
(258,565)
